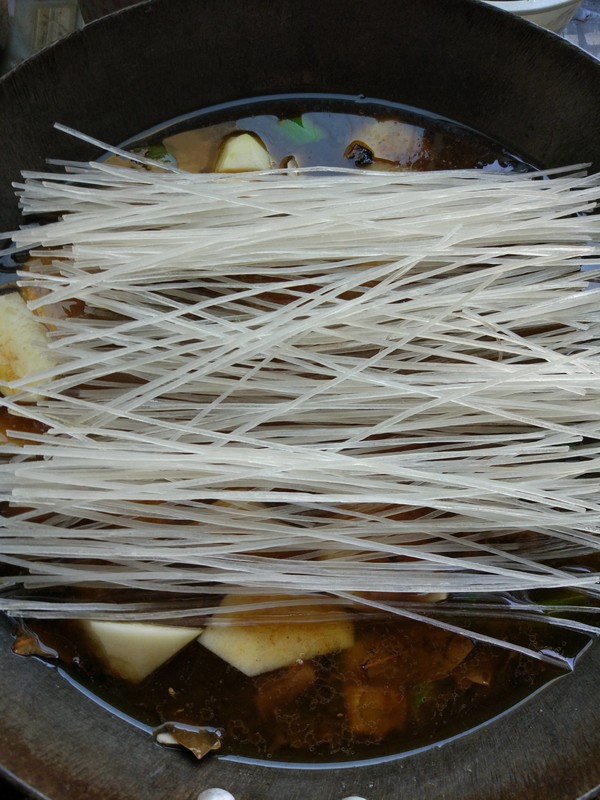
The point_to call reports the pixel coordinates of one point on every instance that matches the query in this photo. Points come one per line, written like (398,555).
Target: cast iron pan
(528,89)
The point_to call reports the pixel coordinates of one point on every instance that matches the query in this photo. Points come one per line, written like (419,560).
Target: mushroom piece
(197,739)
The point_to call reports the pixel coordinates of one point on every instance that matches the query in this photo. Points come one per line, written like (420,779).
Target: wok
(529,90)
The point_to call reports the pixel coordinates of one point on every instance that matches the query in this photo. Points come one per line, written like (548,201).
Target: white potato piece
(392,140)
(24,348)
(197,150)
(133,650)
(243,152)
(433,597)
(259,647)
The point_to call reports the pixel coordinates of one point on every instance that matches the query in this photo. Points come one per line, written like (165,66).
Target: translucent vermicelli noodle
(318,381)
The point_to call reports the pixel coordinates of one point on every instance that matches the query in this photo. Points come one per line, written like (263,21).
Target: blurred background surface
(27,26)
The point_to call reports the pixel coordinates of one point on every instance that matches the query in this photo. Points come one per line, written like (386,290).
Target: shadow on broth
(323,130)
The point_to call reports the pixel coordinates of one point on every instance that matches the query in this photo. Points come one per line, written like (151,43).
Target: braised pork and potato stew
(315,541)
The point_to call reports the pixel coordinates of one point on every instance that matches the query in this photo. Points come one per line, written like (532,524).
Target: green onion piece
(302,130)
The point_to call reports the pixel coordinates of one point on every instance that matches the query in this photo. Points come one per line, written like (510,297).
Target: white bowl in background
(551,14)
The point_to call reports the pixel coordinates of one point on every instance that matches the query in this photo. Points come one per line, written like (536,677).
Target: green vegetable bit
(302,129)
(421,694)
(155,152)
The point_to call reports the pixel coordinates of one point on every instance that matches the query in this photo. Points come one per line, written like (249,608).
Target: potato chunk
(263,646)
(24,348)
(374,711)
(197,150)
(243,152)
(392,140)
(414,653)
(133,650)
(276,690)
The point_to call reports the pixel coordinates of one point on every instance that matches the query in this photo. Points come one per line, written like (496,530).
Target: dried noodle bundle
(319,382)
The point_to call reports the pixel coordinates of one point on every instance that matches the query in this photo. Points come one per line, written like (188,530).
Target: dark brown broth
(319,131)
(439,699)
